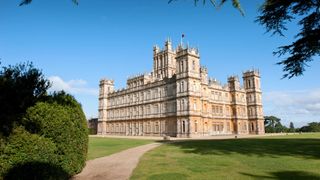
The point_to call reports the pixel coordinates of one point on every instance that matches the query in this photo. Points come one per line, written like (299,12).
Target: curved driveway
(117,166)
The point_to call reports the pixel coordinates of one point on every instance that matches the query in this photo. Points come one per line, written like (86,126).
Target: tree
(235,3)
(25,2)
(274,14)
(273,125)
(291,127)
(21,86)
(311,127)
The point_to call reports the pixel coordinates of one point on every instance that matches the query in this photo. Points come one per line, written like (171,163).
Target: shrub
(29,156)
(65,125)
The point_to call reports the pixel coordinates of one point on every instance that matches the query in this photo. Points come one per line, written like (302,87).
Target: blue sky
(76,46)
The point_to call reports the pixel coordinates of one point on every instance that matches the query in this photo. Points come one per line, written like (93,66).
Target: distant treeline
(273,125)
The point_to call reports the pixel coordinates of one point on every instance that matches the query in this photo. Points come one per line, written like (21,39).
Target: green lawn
(281,157)
(99,147)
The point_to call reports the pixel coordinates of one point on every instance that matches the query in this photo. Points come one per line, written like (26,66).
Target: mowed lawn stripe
(100,146)
(280,157)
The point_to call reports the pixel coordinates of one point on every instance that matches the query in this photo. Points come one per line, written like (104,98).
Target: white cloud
(297,106)
(77,86)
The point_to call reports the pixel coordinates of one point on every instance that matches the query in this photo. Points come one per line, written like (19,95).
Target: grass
(99,147)
(281,157)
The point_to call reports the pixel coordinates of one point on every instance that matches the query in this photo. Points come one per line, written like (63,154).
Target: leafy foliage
(42,136)
(273,125)
(235,3)
(21,86)
(291,127)
(311,127)
(23,148)
(65,126)
(274,16)
(25,2)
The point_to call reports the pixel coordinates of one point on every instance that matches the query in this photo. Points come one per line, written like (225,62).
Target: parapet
(253,72)
(105,81)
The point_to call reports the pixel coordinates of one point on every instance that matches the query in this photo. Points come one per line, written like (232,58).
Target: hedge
(66,126)
(29,156)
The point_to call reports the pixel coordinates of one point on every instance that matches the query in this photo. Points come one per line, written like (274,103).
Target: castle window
(157,127)
(183,126)
(148,110)
(245,127)
(156,109)
(149,127)
(182,87)
(148,94)
(155,93)
(220,127)
(196,126)
(181,66)
(194,106)
(182,105)
(193,65)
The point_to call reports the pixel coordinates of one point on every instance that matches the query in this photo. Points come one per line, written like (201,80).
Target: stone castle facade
(178,99)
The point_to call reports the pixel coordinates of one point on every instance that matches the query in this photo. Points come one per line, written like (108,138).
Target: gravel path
(117,166)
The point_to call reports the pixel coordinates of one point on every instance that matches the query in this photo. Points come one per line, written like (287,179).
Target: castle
(179,99)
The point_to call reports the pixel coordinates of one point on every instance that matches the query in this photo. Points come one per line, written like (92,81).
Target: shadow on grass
(36,170)
(296,175)
(306,148)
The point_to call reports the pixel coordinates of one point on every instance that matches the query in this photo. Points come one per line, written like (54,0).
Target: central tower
(164,62)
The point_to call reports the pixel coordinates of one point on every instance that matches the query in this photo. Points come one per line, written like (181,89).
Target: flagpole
(182,36)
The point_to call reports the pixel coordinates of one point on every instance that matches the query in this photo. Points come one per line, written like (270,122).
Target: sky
(76,46)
